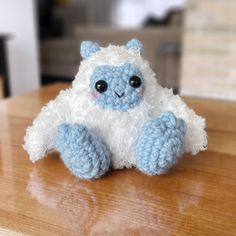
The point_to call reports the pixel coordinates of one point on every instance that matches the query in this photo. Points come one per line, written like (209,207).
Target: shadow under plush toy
(115,114)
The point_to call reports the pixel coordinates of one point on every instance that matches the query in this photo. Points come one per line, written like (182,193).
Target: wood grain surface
(198,197)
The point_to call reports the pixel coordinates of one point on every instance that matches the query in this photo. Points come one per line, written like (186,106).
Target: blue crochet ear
(87,48)
(135,44)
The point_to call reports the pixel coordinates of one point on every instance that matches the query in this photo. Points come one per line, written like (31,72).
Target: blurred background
(190,44)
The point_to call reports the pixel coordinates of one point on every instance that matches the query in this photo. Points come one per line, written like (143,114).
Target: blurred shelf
(61,58)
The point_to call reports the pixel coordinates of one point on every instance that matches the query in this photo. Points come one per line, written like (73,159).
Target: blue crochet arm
(160,144)
(82,152)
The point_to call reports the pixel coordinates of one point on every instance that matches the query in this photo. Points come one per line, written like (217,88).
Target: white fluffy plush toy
(116,114)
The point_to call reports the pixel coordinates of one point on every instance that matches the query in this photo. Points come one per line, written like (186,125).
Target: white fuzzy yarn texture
(117,129)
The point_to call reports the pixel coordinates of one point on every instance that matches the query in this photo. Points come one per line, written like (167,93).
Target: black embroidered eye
(101,86)
(135,81)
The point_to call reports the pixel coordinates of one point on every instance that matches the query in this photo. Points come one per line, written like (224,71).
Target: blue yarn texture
(117,78)
(87,48)
(135,44)
(159,145)
(81,151)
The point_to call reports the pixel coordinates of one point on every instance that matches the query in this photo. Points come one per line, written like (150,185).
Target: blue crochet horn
(87,48)
(135,44)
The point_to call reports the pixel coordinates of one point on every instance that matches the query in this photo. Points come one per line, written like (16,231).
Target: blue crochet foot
(159,145)
(81,151)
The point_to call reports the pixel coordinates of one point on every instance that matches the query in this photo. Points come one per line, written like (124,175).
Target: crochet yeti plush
(116,114)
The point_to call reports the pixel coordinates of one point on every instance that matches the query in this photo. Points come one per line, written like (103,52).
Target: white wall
(132,13)
(17,18)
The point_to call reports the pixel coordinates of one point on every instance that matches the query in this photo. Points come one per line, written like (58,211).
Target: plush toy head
(114,76)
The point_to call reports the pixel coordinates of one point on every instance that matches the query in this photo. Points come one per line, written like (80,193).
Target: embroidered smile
(120,95)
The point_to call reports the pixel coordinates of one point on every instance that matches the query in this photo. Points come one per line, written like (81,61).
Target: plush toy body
(115,114)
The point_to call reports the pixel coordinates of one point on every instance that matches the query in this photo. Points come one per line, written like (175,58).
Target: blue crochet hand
(81,151)
(159,145)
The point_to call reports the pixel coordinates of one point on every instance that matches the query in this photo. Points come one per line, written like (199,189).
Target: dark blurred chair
(4,74)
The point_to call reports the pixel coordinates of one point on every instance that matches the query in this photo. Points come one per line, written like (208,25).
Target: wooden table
(198,197)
